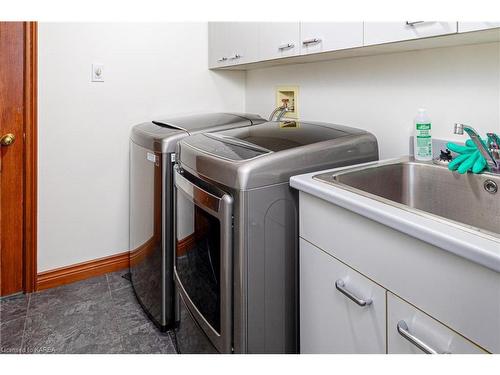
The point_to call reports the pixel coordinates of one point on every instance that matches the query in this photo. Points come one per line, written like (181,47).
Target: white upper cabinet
(239,43)
(385,32)
(474,26)
(218,44)
(244,42)
(329,36)
(278,39)
(232,43)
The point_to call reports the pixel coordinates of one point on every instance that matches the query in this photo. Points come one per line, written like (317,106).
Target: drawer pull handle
(311,41)
(222,59)
(413,23)
(235,57)
(405,332)
(340,285)
(286,46)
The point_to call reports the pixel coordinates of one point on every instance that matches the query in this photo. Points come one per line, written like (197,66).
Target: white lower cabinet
(330,321)
(410,331)
(442,302)
(343,312)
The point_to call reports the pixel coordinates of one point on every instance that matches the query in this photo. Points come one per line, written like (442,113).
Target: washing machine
(152,156)
(236,230)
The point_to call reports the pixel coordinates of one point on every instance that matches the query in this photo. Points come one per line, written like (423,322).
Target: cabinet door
(330,322)
(474,26)
(218,44)
(384,32)
(232,43)
(243,44)
(278,39)
(408,329)
(329,36)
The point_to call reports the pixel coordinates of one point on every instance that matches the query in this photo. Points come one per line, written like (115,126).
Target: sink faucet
(490,151)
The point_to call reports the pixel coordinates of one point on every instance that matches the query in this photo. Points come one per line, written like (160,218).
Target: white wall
(150,70)
(382,93)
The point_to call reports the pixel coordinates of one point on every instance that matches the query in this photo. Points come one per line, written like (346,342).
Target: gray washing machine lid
(163,135)
(247,143)
(197,122)
(271,152)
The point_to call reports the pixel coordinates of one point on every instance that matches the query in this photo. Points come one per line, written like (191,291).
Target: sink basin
(427,189)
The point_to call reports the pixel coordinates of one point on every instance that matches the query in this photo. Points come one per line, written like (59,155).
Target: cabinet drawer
(385,32)
(408,328)
(330,322)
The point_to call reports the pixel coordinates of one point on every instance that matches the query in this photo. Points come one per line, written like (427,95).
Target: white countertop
(478,248)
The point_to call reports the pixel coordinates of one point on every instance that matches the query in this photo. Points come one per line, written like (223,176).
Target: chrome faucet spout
(484,149)
(282,109)
(282,113)
(273,113)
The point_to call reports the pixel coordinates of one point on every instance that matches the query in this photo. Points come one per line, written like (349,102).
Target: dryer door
(203,259)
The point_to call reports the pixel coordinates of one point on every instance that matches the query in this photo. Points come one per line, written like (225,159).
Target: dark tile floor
(98,315)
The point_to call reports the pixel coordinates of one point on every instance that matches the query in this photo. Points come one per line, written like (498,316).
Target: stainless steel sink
(429,189)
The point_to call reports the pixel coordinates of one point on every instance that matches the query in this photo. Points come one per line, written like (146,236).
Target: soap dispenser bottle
(422,137)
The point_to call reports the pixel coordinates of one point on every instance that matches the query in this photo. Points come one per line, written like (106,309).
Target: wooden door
(17,119)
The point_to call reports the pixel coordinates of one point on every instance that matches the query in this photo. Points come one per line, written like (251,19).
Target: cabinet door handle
(413,23)
(405,332)
(286,46)
(234,57)
(340,285)
(222,59)
(311,41)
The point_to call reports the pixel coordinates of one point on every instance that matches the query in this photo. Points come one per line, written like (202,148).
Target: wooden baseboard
(82,271)
(138,255)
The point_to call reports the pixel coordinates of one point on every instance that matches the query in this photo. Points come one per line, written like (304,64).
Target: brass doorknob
(7,139)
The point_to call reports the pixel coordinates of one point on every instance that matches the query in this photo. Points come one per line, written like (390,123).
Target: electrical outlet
(290,96)
(97,73)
